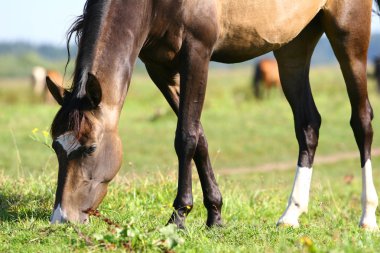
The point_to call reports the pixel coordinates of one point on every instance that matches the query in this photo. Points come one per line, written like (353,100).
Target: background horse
(176,40)
(38,82)
(376,63)
(266,77)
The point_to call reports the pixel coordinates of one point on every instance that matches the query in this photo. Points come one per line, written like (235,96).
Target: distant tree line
(48,52)
(18,58)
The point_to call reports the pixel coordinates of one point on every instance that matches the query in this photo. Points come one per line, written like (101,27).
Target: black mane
(75,29)
(83,25)
(71,116)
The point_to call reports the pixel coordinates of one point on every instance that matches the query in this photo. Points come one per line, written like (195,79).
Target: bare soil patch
(282,166)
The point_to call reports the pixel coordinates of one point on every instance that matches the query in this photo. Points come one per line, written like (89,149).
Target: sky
(46,21)
(38,21)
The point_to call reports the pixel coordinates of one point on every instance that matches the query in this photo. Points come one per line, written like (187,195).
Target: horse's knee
(185,142)
(202,146)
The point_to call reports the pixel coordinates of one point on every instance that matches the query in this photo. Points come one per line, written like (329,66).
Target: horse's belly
(249,28)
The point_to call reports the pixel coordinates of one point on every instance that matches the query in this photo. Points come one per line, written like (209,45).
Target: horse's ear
(93,90)
(54,90)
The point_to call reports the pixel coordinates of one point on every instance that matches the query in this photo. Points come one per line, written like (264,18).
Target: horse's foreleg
(193,71)
(168,83)
(294,63)
(350,44)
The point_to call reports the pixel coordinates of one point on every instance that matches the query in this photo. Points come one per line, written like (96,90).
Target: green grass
(242,132)
(252,205)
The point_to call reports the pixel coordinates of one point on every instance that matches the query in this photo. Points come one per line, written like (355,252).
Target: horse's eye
(82,152)
(90,150)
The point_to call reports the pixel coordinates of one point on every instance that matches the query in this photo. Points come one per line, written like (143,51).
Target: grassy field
(242,133)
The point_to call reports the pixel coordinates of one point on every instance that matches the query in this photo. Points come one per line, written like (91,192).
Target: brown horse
(266,75)
(176,40)
(377,72)
(38,82)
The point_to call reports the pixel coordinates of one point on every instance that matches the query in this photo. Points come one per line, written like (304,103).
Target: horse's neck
(109,51)
(110,116)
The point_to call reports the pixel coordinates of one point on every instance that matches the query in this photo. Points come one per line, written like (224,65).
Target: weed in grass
(42,137)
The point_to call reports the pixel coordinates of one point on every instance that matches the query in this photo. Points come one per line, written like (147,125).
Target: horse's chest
(163,47)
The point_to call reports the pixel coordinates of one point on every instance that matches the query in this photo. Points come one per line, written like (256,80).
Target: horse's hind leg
(294,64)
(350,40)
(168,83)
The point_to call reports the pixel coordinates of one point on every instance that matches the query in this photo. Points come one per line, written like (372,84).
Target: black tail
(378,7)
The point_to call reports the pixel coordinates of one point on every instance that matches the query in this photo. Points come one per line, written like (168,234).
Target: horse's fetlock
(183,211)
(185,201)
(311,136)
(214,201)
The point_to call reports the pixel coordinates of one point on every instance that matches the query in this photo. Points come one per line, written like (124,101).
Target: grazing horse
(38,82)
(266,74)
(176,40)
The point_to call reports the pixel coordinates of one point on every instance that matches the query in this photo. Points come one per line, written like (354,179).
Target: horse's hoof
(369,227)
(368,223)
(177,220)
(214,219)
(287,224)
(178,224)
(214,224)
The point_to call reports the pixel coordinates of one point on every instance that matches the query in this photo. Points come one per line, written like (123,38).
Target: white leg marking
(369,199)
(69,142)
(58,215)
(299,198)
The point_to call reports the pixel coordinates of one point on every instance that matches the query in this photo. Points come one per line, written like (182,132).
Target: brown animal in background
(57,78)
(266,77)
(377,72)
(38,82)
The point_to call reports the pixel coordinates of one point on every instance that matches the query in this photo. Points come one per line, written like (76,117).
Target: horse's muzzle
(59,216)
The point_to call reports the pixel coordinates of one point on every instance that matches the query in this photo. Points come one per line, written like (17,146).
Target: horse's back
(249,28)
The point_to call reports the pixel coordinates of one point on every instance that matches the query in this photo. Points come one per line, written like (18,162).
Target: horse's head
(88,151)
